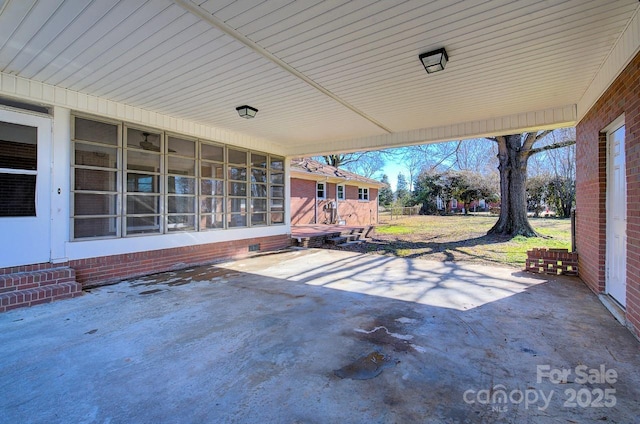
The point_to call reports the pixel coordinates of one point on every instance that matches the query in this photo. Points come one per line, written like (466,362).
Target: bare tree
(514,151)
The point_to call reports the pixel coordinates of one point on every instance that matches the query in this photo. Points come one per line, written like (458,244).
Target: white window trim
(324,190)
(344,192)
(363,194)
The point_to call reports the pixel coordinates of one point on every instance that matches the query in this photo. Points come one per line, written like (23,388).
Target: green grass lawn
(463,238)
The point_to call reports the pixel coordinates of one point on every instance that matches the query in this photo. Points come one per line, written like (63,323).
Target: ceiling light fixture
(434,61)
(247,112)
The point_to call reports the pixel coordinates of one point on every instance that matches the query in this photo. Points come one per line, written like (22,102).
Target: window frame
(341,194)
(323,189)
(363,194)
(270,196)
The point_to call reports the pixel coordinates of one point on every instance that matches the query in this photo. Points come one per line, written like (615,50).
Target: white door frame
(27,240)
(616,214)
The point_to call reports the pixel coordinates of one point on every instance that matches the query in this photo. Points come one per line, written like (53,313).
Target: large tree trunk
(513,219)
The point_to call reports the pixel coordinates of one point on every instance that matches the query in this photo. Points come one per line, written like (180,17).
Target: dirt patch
(365,367)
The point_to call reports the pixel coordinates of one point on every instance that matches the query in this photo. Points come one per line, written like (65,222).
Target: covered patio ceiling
(326,76)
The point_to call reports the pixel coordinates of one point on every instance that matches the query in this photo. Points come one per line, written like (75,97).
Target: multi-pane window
(212,179)
(259,176)
(320,190)
(363,193)
(96,195)
(340,191)
(276,190)
(181,184)
(130,181)
(18,169)
(237,186)
(143,157)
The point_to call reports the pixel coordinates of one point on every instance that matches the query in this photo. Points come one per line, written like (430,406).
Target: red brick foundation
(30,285)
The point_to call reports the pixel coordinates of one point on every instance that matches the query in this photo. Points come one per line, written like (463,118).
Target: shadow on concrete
(259,340)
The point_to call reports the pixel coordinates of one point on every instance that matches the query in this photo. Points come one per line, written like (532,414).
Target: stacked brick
(552,261)
(37,284)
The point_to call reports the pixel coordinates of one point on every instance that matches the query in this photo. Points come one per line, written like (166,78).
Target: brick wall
(621,97)
(306,210)
(107,269)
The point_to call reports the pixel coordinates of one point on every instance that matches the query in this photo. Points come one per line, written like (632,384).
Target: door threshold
(616,309)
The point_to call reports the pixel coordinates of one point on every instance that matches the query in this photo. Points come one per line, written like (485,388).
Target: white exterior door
(25,188)
(616,256)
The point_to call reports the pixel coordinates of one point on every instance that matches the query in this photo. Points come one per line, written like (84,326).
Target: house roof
(326,76)
(311,169)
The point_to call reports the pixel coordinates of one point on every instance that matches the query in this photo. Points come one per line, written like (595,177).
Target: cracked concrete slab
(259,340)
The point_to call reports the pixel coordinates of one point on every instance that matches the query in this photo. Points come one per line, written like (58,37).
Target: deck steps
(30,288)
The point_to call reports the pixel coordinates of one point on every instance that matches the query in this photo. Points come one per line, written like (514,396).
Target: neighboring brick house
(323,194)
(608,195)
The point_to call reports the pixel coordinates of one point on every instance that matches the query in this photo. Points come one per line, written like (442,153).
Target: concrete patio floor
(263,340)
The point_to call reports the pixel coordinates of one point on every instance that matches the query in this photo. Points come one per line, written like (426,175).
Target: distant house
(323,194)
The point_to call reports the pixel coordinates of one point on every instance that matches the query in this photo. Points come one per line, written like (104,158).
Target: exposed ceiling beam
(222,26)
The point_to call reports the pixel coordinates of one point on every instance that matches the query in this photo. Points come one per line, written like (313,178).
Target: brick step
(34,287)
(34,279)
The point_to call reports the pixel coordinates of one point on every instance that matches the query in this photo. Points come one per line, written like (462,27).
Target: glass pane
(143,224)
(142,183)
(17,195)
(181,223)
(237,220)
(89,155)
(212,152)
(212,170)
(93,179)
(179,204)
(258,160)
(277,178)
(212,204)
(95,204)
(237,189)
(142,204)
(258,176)
(276,205)
(141,161)
(181,185)
(212,187)
(277,217)
(182,166)
(144,140)
(258,205)
(212,221)
(94,227)
(277,191)
(238,174)
(237,205)
(18,146)
(258,219)
(237,157)
(258,190)
(99,132)
(277,163)
(182,147)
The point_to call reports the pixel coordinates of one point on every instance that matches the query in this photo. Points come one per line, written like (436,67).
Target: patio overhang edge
(552,118)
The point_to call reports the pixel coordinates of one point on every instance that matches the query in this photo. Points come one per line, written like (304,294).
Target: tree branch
(552,146)
(491,139)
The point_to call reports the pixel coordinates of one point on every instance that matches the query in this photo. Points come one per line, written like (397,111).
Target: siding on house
(591,181)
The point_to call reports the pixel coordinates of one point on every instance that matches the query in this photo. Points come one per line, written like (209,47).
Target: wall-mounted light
(247,112)
(434,61)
